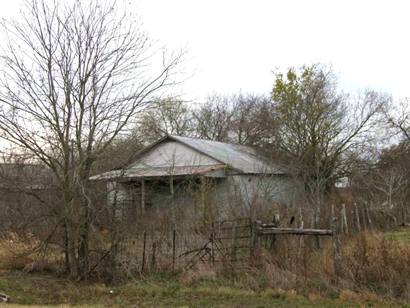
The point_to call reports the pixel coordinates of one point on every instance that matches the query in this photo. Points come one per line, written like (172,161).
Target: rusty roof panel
(158,172)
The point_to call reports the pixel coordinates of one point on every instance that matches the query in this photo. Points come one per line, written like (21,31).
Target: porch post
(171,186)
(203,197)
(142,196)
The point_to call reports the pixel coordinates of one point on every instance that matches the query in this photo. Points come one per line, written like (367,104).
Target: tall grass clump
(25,252)
(372,262)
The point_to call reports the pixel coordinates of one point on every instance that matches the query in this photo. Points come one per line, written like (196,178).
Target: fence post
(357,217)
(344,219)
(174,234)
(212,243)
(143,251)
(369,220)
(153,259)
(336,243)
(233,243)
(255,230)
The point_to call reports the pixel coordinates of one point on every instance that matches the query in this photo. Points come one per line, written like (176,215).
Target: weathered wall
(276,188)
(236,194)
(245,195)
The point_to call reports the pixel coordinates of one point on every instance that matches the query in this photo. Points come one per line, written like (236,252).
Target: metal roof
(242,158)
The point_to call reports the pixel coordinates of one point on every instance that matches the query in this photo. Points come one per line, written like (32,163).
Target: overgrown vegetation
(375,271)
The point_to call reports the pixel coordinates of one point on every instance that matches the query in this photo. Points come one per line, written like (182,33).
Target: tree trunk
(70,233)
(83,245)
(84,223)
(67,258)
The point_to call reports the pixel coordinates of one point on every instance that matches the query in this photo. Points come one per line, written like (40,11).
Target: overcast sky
(234,45)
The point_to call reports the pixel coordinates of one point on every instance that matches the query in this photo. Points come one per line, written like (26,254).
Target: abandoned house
(183,171)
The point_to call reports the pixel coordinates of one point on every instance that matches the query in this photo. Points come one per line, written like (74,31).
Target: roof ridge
(213,141)
(242,158)
(206,153)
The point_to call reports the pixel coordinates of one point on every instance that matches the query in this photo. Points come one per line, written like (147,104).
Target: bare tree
(74,75)
(397,116)
(119,153)
(253,121)
(241,119)
(383,181)
(213,119)
(165,117)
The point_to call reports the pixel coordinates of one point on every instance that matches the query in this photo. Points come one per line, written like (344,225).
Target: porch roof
(156,172)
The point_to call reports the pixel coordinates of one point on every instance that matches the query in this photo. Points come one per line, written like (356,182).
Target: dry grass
(197,274)
(373,267)
(372,262)
(17,251)
(23,252)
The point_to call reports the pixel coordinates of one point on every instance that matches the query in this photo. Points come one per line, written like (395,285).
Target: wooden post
(255,229)
(344,219)
(336,243)
(256,226)
(171,185)
(317,241)
(174,235)
(142,196)
(365,223)
(134,203)
(153,259)
(203,201)
(171,190)
(357,217)
(143,251)
(233,243)
(369,220)
(213,243)
(316,224)
(272,242)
